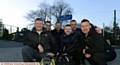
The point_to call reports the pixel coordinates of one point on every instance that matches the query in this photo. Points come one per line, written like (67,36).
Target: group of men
(85,42)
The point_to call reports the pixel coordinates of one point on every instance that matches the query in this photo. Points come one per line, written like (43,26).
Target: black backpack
(110,53)
(64,60)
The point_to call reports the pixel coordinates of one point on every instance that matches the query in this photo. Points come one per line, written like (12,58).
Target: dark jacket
(33,39)
(71,44)
(77,31)
(57,34)
(94,41)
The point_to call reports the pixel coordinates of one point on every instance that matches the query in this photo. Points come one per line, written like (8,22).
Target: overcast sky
(97,11)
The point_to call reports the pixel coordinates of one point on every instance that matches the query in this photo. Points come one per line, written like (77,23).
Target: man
(57,32)
(73,24)
(94,44)
(47,26)
(38,42)
(76,30)
(71,44)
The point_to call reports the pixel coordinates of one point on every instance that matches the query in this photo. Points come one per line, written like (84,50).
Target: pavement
(10,51)
(117,60)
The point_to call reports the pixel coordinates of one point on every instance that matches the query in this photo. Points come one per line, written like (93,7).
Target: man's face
(73,25)
(39,25)
(67,30)
(85,27)
(48,26)
(58,26)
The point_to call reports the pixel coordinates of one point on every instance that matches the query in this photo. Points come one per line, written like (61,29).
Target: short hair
(39,19)
(73,21)
(85,20)
(57,23)
(67,25)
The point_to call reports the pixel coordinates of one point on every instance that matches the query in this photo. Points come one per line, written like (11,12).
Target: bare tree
(31,16)
(60,8)
(44,11)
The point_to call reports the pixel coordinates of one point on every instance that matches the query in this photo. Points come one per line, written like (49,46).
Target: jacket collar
(34,30)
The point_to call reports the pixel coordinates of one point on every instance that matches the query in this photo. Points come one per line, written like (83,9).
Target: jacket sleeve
(30,42)
(99,42)
(78,45)
(53,45)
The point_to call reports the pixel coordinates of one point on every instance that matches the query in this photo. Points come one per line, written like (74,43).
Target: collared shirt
(39,32)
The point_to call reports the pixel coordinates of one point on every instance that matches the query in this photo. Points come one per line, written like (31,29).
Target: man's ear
(90,26)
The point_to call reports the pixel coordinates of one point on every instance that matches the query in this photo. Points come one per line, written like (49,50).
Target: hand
(41,50)
(84,51)
(57,53)
(50,54)
(87,55)
(98,30)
